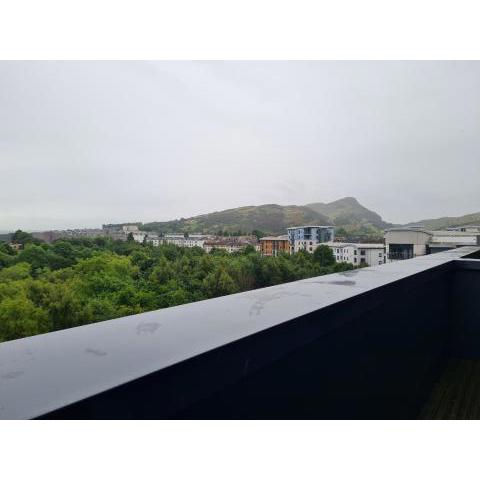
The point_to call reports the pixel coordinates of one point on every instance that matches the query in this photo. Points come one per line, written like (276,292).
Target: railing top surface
(45,372)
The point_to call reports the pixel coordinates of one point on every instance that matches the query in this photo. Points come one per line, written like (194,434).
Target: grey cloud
(82,143)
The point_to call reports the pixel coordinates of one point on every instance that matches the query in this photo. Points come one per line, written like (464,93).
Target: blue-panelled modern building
(309,236)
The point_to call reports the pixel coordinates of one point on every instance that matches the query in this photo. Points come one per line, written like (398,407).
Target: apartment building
(154,240)
(359,253)
(272,246)
(308,237)
(174,239)
(196,240)
(408,242)
(231,245)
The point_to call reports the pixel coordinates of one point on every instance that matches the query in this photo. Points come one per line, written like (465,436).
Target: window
(380,254)
(355,260)
(354,252)
(362,252)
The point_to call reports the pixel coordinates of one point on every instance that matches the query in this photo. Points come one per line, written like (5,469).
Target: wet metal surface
(43,373)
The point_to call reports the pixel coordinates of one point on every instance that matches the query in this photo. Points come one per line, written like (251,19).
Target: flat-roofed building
(408,242)
(196,240)
(154,240)
(359,253)
(272,246)
(308,237)
(174,239)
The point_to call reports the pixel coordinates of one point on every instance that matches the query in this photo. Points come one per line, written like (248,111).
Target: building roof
(311,226)
(408,229)
(280,237)
(438,233)
(351,244)
(230,243)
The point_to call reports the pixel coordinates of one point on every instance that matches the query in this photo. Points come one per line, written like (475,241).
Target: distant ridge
(444,222)
(348,211)
(274,219)
(351,218)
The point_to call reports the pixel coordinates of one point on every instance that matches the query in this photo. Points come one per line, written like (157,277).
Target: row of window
(345,259)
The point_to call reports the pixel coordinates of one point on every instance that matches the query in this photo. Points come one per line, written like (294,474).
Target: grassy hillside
(346,213)
(267,218)
(444,222)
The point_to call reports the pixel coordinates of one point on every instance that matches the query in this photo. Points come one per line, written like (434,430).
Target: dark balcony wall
(465,310)
(381,364)
(373,356)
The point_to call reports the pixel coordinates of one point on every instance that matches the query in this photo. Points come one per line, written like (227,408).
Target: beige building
(408,242)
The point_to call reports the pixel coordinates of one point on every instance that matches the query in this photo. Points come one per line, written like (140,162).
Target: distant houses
(189,241)
(231,244)
(297,238)
(400,243)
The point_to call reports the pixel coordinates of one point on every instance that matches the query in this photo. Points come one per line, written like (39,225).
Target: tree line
(47,287)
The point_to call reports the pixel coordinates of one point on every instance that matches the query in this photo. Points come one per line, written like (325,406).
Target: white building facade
(370,254)
(139,236)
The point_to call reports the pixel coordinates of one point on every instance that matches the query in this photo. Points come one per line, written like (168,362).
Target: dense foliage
(75,282)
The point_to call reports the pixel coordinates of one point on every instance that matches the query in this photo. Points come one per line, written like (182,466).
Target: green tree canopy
(23,238)
(323,255)
(74,282)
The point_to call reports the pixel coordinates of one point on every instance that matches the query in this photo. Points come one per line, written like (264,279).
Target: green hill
(444,222)
(347,213)
(267,218)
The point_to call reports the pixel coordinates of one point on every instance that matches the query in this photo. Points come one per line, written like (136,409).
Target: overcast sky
(86,143)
